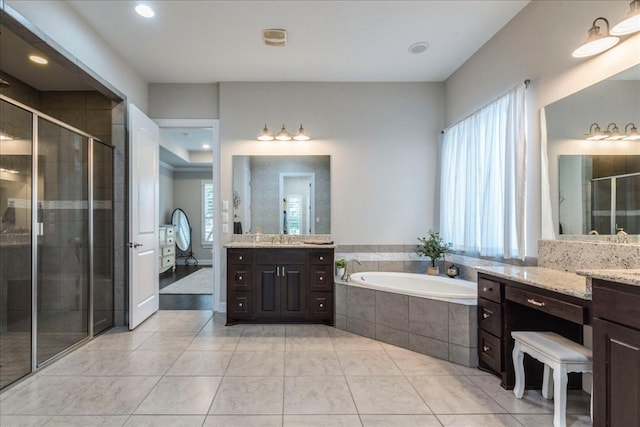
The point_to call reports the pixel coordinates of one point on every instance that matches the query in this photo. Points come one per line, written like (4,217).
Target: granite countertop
(265,245)
(545,278)
(625,276)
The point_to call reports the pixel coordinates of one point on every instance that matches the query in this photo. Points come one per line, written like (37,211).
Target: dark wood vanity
(280,284)
(616,354)
(506,305)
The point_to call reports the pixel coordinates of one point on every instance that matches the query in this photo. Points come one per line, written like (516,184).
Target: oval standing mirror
(183,235)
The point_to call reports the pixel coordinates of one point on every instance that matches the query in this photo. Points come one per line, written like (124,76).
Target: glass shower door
(15,242)
(63,239)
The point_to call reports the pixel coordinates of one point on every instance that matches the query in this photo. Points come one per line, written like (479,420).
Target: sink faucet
(349,269)
(621,235)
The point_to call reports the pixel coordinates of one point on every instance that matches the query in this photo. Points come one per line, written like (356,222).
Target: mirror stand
(183,237)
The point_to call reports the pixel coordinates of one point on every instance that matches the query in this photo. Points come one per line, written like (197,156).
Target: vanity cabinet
(279,285)
(506,305)
(616,354)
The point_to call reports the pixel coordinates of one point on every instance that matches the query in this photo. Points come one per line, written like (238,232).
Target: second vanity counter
(562,282)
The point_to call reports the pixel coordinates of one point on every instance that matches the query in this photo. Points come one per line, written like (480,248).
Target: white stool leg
(591,403)
(560,396)
(547,382)
(518,366)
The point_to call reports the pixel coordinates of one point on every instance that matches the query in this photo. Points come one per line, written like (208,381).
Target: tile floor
(185,368)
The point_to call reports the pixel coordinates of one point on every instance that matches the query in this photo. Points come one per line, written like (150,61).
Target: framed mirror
(282,194)
(183,236)
(611,103)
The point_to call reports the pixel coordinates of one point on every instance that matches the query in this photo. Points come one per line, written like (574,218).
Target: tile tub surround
(441,329)
(183,368)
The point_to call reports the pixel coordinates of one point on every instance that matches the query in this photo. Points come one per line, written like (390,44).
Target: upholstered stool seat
(559,355)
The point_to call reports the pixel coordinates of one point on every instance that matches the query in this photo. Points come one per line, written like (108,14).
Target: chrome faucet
(348,270)
(621,235)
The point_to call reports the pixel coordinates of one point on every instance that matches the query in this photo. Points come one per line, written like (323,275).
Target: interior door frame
(312,197)
(214,124)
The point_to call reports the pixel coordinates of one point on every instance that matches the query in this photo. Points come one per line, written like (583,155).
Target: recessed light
(145,11)
(206,146)
(418,47)
(38,59)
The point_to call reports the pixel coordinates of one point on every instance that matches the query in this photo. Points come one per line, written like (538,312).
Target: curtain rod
(527,82)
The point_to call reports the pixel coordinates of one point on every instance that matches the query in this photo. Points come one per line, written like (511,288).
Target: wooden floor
(184,301)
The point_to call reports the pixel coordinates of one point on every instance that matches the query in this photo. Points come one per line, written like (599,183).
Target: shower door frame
(35,231)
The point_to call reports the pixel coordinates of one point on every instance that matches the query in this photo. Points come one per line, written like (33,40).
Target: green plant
(434,247)
(341,263)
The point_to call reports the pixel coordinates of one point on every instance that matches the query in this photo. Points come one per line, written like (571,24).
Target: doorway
(189,182)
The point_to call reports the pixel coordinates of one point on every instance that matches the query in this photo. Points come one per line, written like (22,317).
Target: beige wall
(183,101)
(537,44)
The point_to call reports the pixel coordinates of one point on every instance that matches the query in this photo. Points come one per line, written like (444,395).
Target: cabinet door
(268,293)
(616,367)
(293,291)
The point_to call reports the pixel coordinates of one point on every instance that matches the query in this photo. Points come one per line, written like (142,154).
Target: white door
(143,216)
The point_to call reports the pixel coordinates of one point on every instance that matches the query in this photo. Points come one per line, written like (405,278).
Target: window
(483,170)
(207,213)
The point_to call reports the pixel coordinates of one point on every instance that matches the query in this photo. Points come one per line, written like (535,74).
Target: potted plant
(340,266)
(434,247)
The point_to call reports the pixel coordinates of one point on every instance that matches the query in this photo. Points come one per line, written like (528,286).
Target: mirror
(599,194)
(282,194)
(615,100)
(183,236)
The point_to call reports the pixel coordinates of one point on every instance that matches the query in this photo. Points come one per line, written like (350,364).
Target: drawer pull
(321,278)
(486,314)
(536,303)
(486,289)
(240,258)
(240,304)
(239,277)
(485,348)
(321,258)
(321,305)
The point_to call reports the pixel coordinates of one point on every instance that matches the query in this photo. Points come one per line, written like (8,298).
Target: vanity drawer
(170,231)
(490,351)
(168,261)
(321,257)
(321,305)
(168,250)
(489,289)
(239,256)
(239,278)
(547,304)
(321,278)
(616,305)
(490,316)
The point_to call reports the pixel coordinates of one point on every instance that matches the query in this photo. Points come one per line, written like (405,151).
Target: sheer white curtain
(483,170)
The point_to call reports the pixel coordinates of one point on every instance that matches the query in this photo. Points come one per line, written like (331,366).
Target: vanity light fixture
(631,135)
(283,135)
(596,42)
(613,134)
(631,23)
(5,137)
(301,136)
(595,134)
(40,60)
(265,135)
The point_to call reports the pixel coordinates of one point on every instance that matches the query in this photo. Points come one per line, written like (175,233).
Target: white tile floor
(183,368)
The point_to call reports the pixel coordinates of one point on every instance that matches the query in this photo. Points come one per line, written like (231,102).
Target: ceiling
(328,40)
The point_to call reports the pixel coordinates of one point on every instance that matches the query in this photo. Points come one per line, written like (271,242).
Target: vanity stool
(558,354)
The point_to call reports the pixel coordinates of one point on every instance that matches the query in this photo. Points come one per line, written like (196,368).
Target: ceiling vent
(274,37)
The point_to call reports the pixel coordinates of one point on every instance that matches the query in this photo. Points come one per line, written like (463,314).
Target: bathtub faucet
(349,269)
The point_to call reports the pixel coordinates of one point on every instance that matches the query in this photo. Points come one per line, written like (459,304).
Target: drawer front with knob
(547,304)
(489,289)
(240,305)
(321,257)
(490,316)
(321,305)
(240,257)
(490,351)
(321,279)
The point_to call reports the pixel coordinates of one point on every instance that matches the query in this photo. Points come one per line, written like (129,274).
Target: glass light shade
(283,135)
(596,42)
(595,134)
(301,136)
(631,22)
(265,135)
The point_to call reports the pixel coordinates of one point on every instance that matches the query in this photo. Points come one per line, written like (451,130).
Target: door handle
(134,245)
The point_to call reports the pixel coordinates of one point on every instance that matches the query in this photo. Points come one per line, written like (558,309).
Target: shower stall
(56,239)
